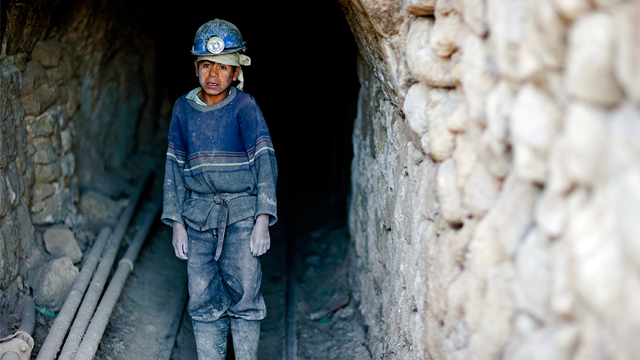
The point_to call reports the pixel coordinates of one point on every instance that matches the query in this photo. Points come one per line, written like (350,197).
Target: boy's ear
(236,73)
(196,63)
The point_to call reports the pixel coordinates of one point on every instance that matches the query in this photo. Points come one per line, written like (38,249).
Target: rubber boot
(211,339)
(246,336)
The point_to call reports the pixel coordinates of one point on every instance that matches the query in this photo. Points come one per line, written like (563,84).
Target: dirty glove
(180,240)
(260,239)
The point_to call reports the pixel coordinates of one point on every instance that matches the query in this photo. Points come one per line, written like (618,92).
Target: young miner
(220,195)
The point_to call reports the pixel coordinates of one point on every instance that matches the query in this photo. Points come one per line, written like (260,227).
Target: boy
(220,195)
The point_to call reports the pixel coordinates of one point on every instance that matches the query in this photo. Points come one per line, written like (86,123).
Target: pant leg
(242,273)
(231,285)
(246,336)
(208,294)
(211,338)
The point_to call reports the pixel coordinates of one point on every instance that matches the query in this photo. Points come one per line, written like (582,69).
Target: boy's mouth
(212,84)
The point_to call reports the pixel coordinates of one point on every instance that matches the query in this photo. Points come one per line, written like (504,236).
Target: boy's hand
(260,240)
(180,241)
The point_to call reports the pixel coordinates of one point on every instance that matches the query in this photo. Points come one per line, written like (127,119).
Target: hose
(21,341)
(11,355)
(99,279)
(28,317)
(92,338)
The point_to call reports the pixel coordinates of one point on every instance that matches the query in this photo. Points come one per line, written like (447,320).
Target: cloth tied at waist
(210,211)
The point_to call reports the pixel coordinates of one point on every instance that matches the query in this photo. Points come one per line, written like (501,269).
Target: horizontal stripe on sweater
(220,156)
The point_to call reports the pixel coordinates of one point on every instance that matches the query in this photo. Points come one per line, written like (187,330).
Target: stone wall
(49,96)
(77,95)
(16,179)
(496,178)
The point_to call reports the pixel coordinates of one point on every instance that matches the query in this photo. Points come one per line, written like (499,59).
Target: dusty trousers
(229,287)
(211,338)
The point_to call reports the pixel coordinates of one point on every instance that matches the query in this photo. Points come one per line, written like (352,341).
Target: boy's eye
(223,67)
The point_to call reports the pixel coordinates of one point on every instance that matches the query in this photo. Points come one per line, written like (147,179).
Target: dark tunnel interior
(303,76)
(303,73)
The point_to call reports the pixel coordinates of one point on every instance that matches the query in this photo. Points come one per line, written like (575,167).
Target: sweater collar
(198,104)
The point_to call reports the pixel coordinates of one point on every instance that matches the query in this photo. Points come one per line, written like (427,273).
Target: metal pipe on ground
(99,278)
(58,331)
(28,317)
(19,345)
(94,333)
(11,355)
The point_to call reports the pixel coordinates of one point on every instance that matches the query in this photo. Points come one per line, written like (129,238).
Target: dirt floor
(328,324)
(150,304)
(310,239)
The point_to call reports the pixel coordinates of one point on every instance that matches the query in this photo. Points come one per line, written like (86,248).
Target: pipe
(11,355)
(28,317)
(99,278)
(92,338)
(58,331)
(21,341)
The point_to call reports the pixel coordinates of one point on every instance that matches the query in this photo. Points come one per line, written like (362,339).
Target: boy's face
(215,80)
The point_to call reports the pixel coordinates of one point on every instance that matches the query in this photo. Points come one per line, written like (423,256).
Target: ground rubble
(328,323)
(58,254)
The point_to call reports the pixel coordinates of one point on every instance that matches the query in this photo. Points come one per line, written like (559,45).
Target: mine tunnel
(457,179)
(116,96)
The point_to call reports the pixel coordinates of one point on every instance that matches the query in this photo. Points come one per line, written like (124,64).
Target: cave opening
(304,78)
(131,61)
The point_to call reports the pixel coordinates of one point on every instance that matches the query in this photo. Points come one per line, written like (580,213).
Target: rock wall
(496,178)
(77,94)
(16,179)
(49,96)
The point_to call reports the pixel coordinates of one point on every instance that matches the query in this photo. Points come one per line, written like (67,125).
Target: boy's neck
(213,99)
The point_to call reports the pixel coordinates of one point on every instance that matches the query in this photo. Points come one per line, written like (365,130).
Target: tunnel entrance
(303,76)
(493,198)
(117,89)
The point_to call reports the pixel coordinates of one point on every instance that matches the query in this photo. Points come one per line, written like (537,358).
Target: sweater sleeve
(173,188)
(257,143)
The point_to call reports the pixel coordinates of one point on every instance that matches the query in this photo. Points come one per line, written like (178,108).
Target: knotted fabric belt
(223,214)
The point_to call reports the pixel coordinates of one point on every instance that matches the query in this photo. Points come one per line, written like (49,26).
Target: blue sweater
(223,149)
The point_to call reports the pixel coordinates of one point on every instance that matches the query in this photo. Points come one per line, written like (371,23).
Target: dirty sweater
(220,149)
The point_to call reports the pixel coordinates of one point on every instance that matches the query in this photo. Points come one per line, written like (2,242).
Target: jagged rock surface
(492,205)
(73,100)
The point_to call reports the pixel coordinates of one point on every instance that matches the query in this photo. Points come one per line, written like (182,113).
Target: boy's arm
(174,193)
(257,141)
(174,190)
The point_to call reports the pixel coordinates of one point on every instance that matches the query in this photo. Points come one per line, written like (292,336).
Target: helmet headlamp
(215,45)
(217,37)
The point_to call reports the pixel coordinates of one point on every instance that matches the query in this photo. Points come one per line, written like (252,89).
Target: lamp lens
(215,45)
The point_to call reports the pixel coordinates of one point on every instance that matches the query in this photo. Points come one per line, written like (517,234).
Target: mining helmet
(217,37)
